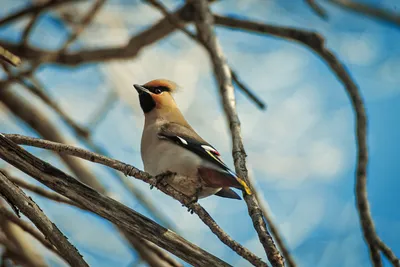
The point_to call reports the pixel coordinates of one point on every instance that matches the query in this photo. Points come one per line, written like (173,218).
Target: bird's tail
(245,186)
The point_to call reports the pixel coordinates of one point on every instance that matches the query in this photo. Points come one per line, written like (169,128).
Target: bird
(169,145)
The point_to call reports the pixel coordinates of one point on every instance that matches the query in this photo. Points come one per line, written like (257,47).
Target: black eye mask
(158,89)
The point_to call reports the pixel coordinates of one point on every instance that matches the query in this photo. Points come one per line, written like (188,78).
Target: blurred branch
(16,247)
(316,43)
(132,171)
(143,247)
(26,227)
(317,9)
(175,20)
(28,29)
(36,215)
(369,10)
(247,91)
(85,22)
(9,57)
(153,34)
(388,253)
(33,9)
(115,212)
(38,121)
(204,24)
(41,191)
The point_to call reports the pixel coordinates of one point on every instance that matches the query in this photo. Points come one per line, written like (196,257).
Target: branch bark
(132,171)
(38,121)
(316,43)
(204,22)
(36,215)
(125,218)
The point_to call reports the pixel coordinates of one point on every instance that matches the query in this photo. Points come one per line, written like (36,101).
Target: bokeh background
(301,149)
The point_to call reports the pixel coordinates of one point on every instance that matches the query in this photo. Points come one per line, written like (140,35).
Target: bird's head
(156,94)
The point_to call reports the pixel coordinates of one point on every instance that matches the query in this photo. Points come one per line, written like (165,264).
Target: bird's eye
(157,91)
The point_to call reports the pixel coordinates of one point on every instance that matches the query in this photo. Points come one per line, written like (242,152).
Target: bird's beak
(140,89)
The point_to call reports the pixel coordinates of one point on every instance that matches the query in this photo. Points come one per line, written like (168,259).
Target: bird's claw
(161,177)
(193,199)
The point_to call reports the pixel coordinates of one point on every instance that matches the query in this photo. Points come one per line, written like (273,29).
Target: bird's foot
(161,177)
(193,199)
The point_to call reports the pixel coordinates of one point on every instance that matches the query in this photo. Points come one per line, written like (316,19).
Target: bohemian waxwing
(170,144)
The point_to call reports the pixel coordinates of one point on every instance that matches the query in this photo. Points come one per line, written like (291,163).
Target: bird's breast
(161,155)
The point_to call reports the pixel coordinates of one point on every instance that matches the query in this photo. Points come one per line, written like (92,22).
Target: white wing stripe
(182,140)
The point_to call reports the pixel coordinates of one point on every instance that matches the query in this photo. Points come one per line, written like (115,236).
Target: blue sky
(301,151)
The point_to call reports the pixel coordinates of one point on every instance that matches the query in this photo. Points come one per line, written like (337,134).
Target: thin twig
(27,228)
(317,9)
(28,29)
(38,121)
(32,9)
(204,26)
(9,57)
(177,22)
(247,91)
(388,253)
(369,10)
(316,43)
(132,171)
(36,215)
(42,192)
(115,212)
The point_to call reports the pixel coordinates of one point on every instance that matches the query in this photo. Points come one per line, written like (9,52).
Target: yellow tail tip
(245,186)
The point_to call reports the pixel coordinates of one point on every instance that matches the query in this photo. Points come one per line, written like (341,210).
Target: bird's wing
(187,138)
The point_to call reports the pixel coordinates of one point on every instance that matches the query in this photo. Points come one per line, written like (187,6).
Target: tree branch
(112,210)
(204,22)
(316,43)
(317,9)
(33,9)
(26,227)
(176,21)
(36,215)
(30,114)
(369,10)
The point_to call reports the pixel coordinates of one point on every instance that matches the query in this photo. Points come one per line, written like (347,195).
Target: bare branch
(174,20)
(9,57)
(30,114)
(317,9)
(41,191)
(26,227)
(122,216)
(388,253)
(131,170)
(86,20)
(369,10)
(247,91)
(316,43)
(28,29)
(33,9)
(204,22)
(274,231)
(36,215)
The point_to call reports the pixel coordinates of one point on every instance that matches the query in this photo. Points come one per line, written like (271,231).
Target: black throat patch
(147,103)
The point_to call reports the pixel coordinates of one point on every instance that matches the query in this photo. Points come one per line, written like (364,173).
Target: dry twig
(129,170)
(317,9)
(132,171)
(369,10)
(26,227)
(204,23)
(36,215)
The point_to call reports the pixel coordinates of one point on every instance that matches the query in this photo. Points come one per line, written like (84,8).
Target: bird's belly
(171,157)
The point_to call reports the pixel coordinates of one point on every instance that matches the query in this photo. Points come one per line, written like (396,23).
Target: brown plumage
(169,143)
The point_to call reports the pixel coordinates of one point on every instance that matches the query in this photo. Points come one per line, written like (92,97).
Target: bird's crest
(173,87)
